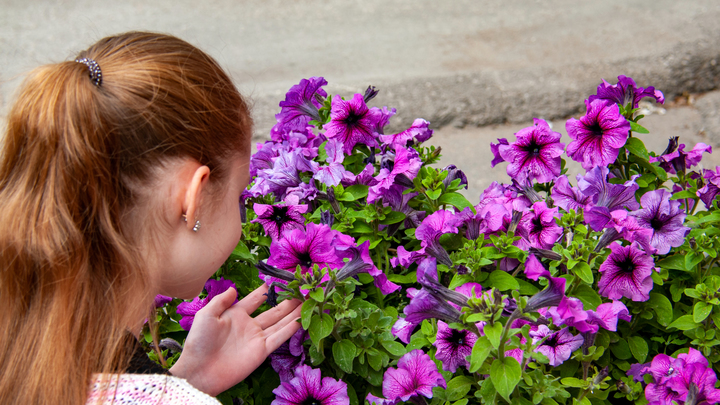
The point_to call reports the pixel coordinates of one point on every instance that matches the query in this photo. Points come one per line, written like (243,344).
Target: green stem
(506,330)
(695,205)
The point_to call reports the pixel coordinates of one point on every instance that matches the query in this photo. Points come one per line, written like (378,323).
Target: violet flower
(361,262)
(398,200)
(423,305)
(415,376)
(607,315)
(626,91)
(352,122)
(568,197)
(495,149)
(678,160)
(570,312)
(406,163)
(627,272)
(430,230)
(314,245)
(419,131)
(289,355)
(597,136)
(278,219)
(300,105)
(189,309)
(454,173)
(664,217)
(308,387)
(551,296)
(453,347)
(535,155)
(162,300)
(558,346)
(711,189)
(673,379)
(538,227)
(606,197)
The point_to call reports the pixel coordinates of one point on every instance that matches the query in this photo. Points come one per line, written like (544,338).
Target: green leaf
(460,279)
(573,382)
(317,294)
(502,281)
(480,352)
(639,129)
(433,194)
(582,270)
(458,387)
(589,297)
(343,354)
(621,349)
(675,262)
(392,218)
(493,333)
(692,259)
(457,200)
(684,322)
(394,348)
(409,278)
(375,361)
(505,375)
(636,146)
(353,193)
(306,313)
(662,307)
(241,251)
(714,217)
(701,311)
(638,347)
(320,327)
(681,195)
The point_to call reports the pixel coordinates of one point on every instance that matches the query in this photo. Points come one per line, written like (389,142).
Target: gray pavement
(459,64)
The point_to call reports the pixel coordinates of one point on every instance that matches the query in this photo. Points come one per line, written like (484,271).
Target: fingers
(253,300)
(282,331)
(289,318)
(220,303)
(272,316)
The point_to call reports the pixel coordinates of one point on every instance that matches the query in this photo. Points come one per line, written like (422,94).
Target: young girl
(120,179)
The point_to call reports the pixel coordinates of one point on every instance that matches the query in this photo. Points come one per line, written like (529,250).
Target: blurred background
(476,69)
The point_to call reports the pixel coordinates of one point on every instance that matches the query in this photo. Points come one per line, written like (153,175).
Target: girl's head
(95,182)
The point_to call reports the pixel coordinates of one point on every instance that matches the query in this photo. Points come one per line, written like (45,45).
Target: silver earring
(197,226)
(184,217)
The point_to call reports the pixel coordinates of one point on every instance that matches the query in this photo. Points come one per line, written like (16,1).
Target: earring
(184,216)
(197,226)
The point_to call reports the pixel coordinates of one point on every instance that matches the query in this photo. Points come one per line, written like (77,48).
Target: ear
(193,195)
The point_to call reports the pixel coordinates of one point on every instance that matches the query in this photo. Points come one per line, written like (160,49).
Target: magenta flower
(606,197)
(453,346)
(568,197)
(672,379)
(558,346)
(627,272)
(300,105)
(678,161)
(419,131)
(189,309)
(538,227)
(607,315)
(712,187)
(352,122)
(664,217)
(570,312)
(278,219)
(430,230)
(415,376)
(551,296)
(626,91)
(406,163)
(423,305)
(597,136)
(495,149)
(162,300)
(289,355)
(535,155)
(308,387)
(361,262)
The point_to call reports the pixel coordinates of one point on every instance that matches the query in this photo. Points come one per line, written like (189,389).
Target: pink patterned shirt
(142,389)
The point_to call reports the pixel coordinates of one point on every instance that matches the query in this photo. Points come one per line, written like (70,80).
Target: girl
(120,176)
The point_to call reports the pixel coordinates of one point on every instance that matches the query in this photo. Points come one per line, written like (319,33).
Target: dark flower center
(551,341)
(304,259)
(457,338)
(596,129)
(626,265)
(279,215)
(537,225)
(656,223)
(533,148)
(312,401)
(352,119)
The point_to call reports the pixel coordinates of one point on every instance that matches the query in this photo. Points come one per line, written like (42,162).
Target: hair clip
(94,68)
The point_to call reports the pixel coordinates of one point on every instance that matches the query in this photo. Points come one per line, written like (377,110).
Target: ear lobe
(193,195)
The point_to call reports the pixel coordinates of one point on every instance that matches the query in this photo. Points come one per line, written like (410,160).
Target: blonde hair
(71,279)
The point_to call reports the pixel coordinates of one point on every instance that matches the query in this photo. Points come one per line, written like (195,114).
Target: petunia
(289,355)
(678,160)
(673,378)
(308,387)
(418,131)
(664,217)
(278,219)
(711,189)
(453,174)
(607,315)
(361,262)
(300,105)
(495,149)
(551,296)
(626,91)
(598,136)
(535,155)
(398,200)
(570,312)
(627,272)
(406,163)
(189,309)
(488,220)
(567,197)
(415,376)
(538,227)
(352,122)
(453,347)
(558,346)
(423,305)
(606,197)
(430,230)
(162,300)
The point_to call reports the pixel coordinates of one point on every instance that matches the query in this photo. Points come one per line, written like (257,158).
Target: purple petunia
(711,189)
(415,376)
(495,149)
(568,197)
(289,355)
(665,219)
(606,197)
(406,163)
(419,131)
(626,91)
(673,378)
(453,346)
(558,346)
(189,309)
(678,161)
(430,230)
(538,227)
(300,105)
(308,387)
(162,300)
(597,136)
(627,272)
(278,219)
(352,122)
(535,155)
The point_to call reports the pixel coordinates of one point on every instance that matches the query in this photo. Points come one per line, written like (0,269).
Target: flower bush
(543,292)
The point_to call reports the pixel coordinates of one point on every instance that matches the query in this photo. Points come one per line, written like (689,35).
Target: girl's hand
(225,344)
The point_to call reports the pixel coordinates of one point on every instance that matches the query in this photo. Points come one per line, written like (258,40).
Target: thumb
(221,302)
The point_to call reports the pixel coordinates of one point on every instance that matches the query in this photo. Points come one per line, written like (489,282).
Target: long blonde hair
(71,280)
